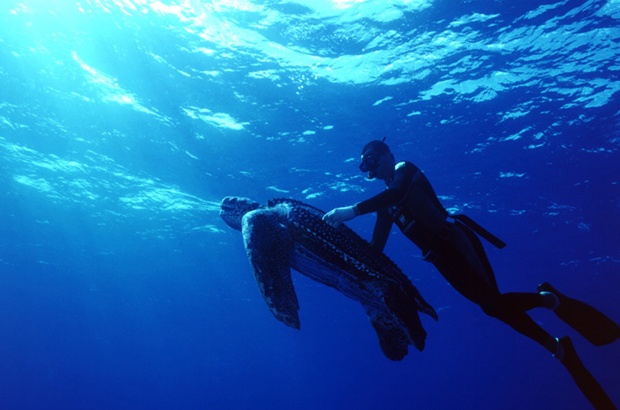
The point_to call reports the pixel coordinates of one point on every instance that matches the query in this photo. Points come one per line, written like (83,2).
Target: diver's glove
(338,215)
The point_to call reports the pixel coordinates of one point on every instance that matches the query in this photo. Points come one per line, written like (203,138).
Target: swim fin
(597,328)
(583,378)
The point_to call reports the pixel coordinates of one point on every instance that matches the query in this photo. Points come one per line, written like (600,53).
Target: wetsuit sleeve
(395,192)
(381,231)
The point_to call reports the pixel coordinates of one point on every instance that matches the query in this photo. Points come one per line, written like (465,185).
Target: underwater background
(123,123)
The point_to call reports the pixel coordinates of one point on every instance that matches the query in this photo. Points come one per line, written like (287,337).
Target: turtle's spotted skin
(287,234)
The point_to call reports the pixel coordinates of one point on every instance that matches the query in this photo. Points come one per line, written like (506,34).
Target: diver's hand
(337,216)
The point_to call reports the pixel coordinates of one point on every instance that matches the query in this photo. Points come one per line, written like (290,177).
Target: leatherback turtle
(287,234)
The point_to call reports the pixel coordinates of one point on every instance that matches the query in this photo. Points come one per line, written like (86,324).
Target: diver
(451,243)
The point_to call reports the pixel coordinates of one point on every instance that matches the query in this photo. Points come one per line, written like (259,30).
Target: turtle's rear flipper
(404,310)
(392,339)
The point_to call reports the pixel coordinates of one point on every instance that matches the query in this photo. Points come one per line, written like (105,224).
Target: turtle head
(233,208)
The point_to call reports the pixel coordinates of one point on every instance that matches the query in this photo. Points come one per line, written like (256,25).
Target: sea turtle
(287,234)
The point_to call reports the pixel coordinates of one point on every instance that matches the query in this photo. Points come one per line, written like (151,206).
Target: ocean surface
(123,123)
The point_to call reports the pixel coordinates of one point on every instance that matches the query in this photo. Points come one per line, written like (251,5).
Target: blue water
(124,122)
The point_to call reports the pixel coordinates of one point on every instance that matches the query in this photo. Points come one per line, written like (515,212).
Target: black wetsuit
(453,246)
(456,251)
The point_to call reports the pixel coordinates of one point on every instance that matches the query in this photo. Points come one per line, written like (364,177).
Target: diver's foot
(565,351)
(560,352)
(597,328)
(552,301)
(588,385)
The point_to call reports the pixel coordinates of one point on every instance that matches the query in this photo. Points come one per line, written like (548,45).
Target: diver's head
(375,156)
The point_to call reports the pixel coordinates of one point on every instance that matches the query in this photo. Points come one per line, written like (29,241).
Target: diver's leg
(502,309)
(524,301)
(562,349)
(496,305)
(461,260)
(459,266)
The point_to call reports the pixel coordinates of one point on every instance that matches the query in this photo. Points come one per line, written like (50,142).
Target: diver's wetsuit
(456,251)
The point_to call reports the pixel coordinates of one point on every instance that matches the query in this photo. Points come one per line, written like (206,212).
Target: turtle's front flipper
(268,244)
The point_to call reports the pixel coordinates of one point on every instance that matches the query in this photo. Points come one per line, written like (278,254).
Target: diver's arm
(396,191)
(382,230)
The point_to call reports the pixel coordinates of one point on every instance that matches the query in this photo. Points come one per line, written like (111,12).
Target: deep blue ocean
(123,123)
